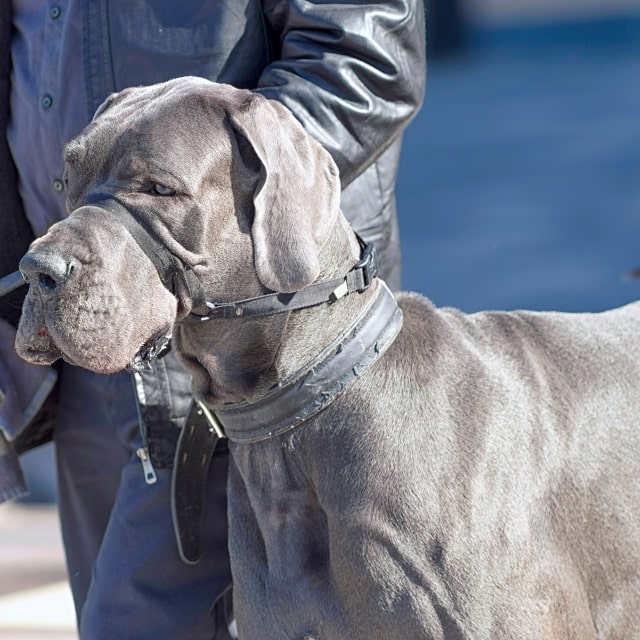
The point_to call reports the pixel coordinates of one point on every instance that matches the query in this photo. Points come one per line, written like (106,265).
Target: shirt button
(47,101)
(58,185)
(55,12)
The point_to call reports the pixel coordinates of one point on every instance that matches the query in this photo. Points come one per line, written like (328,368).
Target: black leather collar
(319,382)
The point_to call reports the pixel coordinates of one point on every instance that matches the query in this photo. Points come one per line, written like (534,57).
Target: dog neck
(314,386)
(259,378)
(238,361)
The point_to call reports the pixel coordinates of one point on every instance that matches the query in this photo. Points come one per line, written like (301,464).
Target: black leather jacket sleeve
(352,73)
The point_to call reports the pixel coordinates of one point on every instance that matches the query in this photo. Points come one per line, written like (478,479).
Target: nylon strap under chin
(169,266)
(357,280)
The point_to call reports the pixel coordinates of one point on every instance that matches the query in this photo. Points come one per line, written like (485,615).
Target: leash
(286,407)
(314,387)
(196,445)
(309,391)
(10,283)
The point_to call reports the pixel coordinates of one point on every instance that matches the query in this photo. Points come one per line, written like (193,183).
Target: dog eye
(161,190)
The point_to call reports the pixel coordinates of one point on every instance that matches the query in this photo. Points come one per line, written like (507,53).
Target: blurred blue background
(520,178)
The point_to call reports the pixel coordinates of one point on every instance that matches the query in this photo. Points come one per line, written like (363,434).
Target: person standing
(353,74)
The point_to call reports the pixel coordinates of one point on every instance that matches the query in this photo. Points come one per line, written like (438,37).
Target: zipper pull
(147,466)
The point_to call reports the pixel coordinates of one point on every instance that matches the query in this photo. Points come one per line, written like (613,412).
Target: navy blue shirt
(47,102)
(351,73)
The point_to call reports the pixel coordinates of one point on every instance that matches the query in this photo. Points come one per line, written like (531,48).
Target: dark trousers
(126,576)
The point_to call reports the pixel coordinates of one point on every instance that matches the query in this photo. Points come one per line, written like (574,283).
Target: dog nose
(46,271)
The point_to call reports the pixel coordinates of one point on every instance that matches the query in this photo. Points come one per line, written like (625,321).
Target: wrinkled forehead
(161,126)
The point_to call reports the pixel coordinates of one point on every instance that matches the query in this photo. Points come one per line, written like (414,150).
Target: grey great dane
(398,471)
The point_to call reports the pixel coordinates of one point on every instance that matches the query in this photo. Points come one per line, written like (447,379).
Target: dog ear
(297,197)
(110,100)
(104,106)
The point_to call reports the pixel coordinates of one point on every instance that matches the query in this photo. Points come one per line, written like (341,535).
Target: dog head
(225,179)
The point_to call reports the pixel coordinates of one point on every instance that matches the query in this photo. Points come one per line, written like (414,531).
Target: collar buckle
(368,264)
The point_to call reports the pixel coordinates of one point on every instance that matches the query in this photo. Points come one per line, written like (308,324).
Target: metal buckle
(368,264)
(212,420)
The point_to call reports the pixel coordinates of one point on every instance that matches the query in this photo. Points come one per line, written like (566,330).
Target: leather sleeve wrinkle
(346,119)
(352,74)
